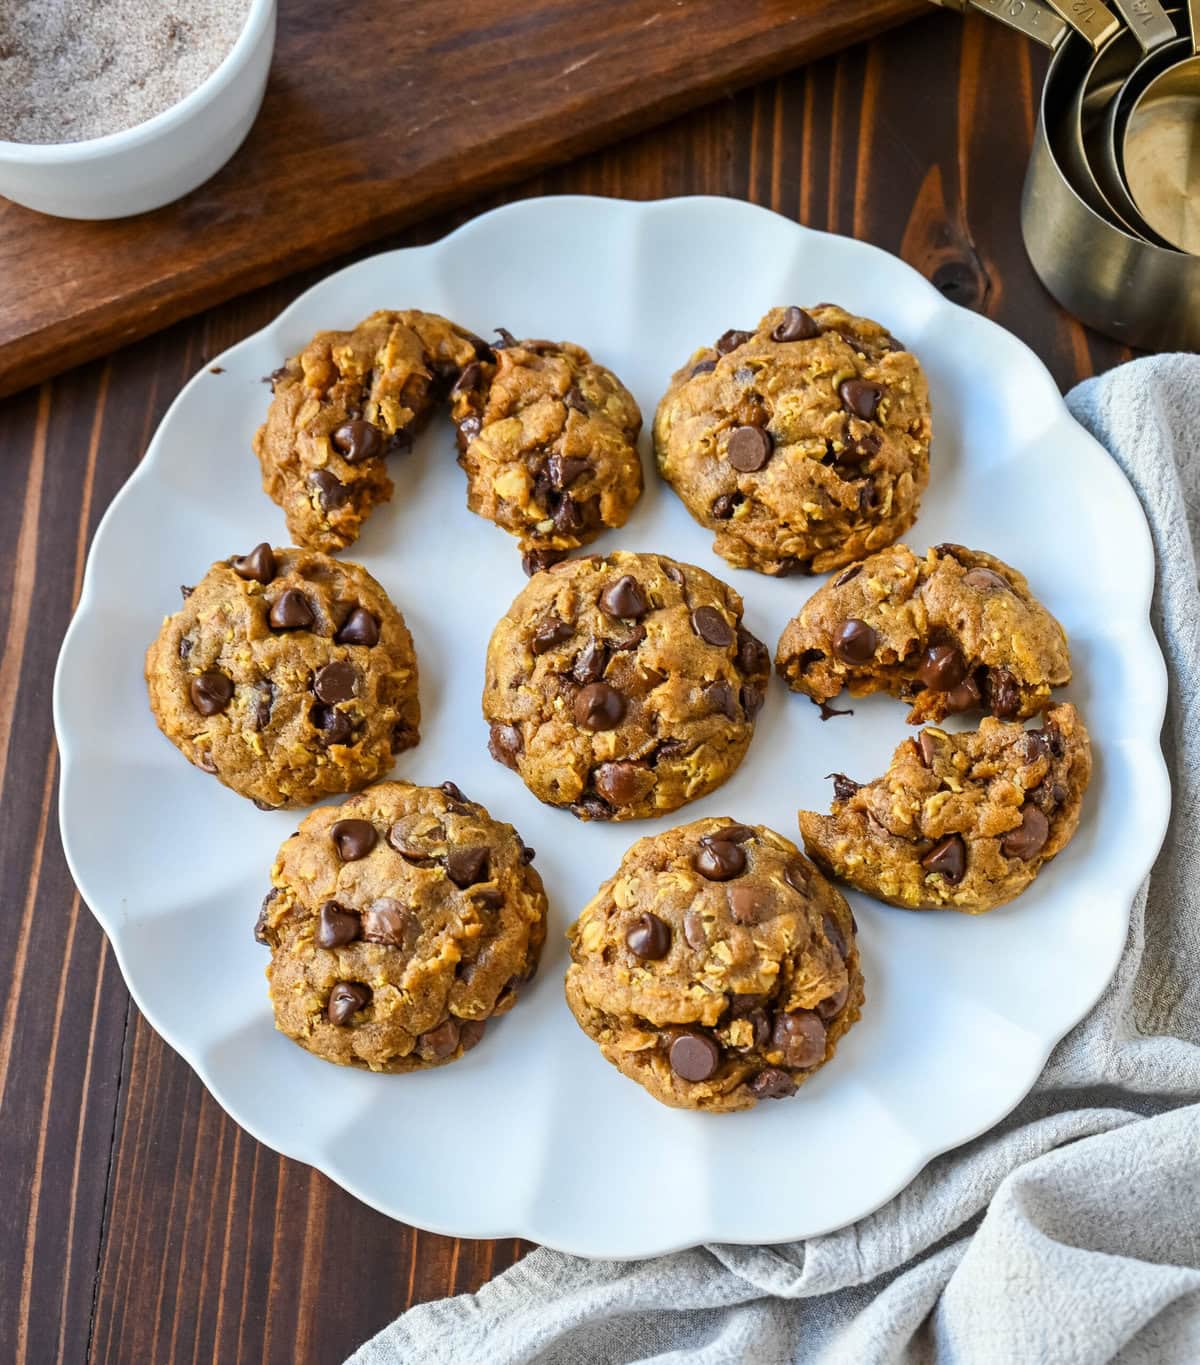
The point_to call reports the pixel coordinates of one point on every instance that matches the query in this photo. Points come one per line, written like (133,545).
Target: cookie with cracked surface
(623,687)
(548,439)
(803,444)
(399,923)
(956,631)
(342,406)
(958,821)
(288,675)
(717,967)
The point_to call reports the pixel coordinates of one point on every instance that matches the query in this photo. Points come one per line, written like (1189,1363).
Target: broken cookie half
(958,821)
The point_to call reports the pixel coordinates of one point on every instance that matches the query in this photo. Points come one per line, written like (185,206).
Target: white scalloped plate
(518,1138)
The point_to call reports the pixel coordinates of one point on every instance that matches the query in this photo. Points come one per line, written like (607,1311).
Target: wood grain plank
(140,1223)
(473,96)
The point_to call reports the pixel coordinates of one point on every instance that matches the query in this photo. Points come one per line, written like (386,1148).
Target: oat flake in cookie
(958,821)
(287,675)
(717,967)
(803,444)
(548,439)
(399,923)
(346,404)
(957,631)
(623,687)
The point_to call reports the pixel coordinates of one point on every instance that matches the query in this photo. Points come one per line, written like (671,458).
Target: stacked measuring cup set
(1111,207)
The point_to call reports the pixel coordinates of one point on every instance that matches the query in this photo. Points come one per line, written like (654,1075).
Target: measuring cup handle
(1030,17)
(1149,23)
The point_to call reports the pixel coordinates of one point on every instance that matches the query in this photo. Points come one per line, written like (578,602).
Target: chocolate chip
(335,726)
(928,745)
(336,925)
(205,760)
(868,498)
(590,663)
(834,1004)
(752,656)
(719,861)
(984,580)
(470,1031)
(649,939)
(752,699)
(386,921)
(847,574)
(591,807)
(729,834)
(719,696)
(291,611)
(749,904)
(694,1056)
(730,341)
(624,599)
(1029,838)
(599,707)
(833,932)
(468,429)
(724,506)
(843,787)
(360,628)
(949,857)
(829,712)
(336,681)
(860,397)
(550,633)
(963,697)
(399,441)
(438,1043)
(534,561)
(712,627)
(797,325)
(630,641)
(466,866)
(453,792)
(507,340)
(1058,793)
(505,745)
(211,692)
(186,645)
(357,440)
(620,783)
(1004,696)
(353,839)
(703,367)
(567,469)
(258,565)
(488,897)
(796,876)
(346,999)
(693,930)
(574,399)
(857,449)
(800,1036)
(468,379)
(771,1084)
(855,642)
(416,838)
(748,449)
(567,518)
(264,700)
(264,915)
(785,568)
(330,491)
(942,668)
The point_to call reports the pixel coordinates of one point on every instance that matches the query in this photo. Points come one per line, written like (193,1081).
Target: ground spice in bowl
(77,69)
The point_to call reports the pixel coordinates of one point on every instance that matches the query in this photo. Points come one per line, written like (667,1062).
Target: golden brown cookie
(342,406)
(956,631)
(958,822)
(400,923)
(548,439)
(623,687)
(288,675)
(803,444)
(717,967)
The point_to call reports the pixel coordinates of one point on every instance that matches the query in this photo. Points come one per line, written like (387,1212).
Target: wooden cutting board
(377,115)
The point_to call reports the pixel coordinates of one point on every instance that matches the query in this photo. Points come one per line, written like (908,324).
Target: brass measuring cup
(1160,142)
(1114,281)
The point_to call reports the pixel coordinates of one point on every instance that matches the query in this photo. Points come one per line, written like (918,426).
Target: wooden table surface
(138,1223)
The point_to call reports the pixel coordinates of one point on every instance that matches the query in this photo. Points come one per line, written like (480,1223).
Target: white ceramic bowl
(154,162)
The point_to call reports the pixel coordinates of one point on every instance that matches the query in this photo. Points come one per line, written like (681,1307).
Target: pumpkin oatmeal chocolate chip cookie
(958,821)
(956,631)
(344,404)
(803,444)
(548,439)
(717,967)
(399,923)
(623,687)
(288,675)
